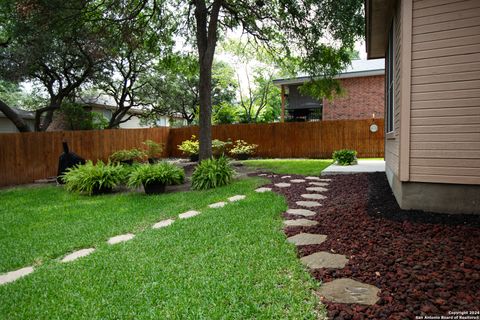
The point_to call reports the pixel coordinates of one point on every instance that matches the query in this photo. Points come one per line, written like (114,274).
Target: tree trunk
(14,117)
(205,119)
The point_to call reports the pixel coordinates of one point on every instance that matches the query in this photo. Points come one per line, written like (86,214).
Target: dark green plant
(91,178)
(212,173)
(161,172)
(127,155)
(154,149)
(345,157)
(220,147)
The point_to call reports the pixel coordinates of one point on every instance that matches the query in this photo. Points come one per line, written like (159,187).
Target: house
(6,125)
(363,84)
(432,100)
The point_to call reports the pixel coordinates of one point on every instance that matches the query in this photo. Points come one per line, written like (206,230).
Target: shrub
(212,173)
(345,157)
(127,155)
(219,147)
(242,147)
(154,149)
(161,172)
(189,147)
(94,178)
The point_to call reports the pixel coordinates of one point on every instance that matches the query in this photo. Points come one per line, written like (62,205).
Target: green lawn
(292,166)
(229,263)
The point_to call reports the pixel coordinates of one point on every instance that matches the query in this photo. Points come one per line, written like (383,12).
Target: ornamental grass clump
(154,177)
(94,178)
(212,173)
(345,157)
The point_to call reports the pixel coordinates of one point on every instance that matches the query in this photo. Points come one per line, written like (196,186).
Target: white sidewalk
(362,166)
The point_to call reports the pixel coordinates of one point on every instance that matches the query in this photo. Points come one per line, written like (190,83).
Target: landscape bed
(424,263)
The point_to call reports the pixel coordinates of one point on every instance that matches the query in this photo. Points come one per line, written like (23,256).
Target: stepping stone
(121,238)
(320,260)
(323,179)
(312,178)
(14,275)
(286,177)
(188,214)
(317,189)
(263,189)
(77,254)
(299,223)
(346,290)
(163,224)
(297,180)
(304,239)
(320,184)
(262,174)
(314,196)
(217,205)
(308,204)
(236,198)
(301,212)
(282,185)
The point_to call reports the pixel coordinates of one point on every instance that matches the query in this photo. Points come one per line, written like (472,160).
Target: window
(389,85)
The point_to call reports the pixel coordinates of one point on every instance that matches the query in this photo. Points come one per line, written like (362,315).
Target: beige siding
(445,92)
(392,143)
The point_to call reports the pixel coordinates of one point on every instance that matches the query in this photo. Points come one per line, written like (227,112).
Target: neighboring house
(432,112)
(7,126)
(363,84)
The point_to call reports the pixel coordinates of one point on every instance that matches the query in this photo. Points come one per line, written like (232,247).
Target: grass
(291,166)
(228,263)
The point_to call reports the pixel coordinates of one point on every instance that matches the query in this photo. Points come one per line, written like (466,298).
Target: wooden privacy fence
(296,139)
(25,157)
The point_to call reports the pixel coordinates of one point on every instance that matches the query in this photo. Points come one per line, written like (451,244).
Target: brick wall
(363,97)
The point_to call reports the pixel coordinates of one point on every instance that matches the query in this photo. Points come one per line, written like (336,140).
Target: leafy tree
(225,113)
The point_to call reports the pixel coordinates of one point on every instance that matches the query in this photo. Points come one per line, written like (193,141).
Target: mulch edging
(424,263)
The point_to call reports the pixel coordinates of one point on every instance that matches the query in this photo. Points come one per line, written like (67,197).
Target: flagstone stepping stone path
(301,212)
(261,190)
(217,205)
(305,239)
(286,177)
(346,290)
(236,198)
(317,189)
(77,255)
(300,223)
(342,290)
(262,174)
(121,238)
(308,204)
(188,214)
(282,185)
(320,184)
(319,260)
(163,224)
(297,180)
(314,196)
(14,275)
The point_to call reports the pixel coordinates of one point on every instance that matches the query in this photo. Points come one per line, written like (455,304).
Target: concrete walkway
(362,166)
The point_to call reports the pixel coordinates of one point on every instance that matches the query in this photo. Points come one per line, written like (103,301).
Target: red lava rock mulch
(424,263)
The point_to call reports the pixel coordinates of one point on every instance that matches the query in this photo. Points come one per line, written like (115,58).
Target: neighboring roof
(105,102)
(24,114)
(358,68)
(378,17)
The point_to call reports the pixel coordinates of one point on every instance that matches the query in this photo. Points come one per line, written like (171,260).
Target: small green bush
(189,147)
(153,149)
(94,178)
(345,157)
(127,155)
(162,172)
(242,147)
(219,147)
(212,173)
